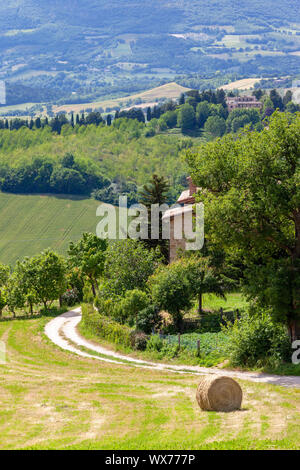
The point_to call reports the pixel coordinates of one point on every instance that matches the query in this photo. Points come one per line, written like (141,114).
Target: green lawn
(232,302)
(52,399)
(31,223)
(212,303)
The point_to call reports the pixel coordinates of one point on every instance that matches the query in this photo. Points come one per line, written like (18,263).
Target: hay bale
(216,393)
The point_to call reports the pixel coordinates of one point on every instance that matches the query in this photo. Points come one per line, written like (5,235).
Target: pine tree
(72,120)
(155,192)
(108,120)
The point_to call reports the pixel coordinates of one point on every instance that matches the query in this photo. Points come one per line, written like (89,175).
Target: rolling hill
(31,223)
(82,51)
(149,98)
(245,84)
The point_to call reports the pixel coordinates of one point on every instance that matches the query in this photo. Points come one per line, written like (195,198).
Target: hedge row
(104,327)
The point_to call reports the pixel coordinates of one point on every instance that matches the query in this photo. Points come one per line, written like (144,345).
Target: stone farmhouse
(242,102)
(186,201)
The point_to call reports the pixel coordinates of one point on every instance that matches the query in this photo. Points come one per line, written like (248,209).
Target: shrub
(138,340)
(149,318)
(133,302)
(170,290)
(106,307)
(87,293)
(70,297)
(256,341)
(105,327)
(162,349)
(149,132)
(155,343)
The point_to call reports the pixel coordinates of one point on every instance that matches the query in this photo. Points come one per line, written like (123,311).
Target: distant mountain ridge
(55,50)
(94,13)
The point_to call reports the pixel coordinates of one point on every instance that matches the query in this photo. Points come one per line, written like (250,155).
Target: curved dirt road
(62,331)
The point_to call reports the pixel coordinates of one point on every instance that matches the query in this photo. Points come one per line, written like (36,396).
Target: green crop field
(31,223)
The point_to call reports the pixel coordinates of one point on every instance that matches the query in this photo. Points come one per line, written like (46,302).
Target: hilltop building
(242,102)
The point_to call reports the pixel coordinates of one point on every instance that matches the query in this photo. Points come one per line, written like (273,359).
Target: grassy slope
(169,90)
(52,399)
(245,84)
(31,223)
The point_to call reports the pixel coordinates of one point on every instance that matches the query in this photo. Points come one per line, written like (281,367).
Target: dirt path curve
(62,331)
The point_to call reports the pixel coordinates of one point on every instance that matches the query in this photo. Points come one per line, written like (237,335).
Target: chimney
(192,187)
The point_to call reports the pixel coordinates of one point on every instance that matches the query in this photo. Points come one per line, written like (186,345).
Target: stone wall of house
(192,187)
(175,245)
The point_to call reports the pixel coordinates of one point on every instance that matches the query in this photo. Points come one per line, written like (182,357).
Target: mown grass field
(244,84)
(31,223)
(52,399)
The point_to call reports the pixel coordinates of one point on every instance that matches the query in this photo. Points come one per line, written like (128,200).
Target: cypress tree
(149,114)
(181,99)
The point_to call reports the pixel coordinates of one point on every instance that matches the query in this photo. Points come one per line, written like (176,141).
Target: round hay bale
(216,393)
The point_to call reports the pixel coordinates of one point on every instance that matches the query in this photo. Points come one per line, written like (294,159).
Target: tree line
(57,122)
(42,175)
(32,160)
(207,111)
(140,137)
